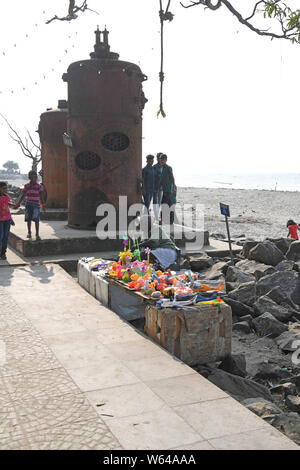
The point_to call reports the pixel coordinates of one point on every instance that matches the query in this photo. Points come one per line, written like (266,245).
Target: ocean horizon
(263,181)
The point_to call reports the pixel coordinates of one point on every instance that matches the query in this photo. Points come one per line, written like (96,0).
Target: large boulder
(217,271)
(293,403)
(282,243)
(245,293)
(297,266)
(261,407)
(267,324)
(285,265)
(254,268)
(287,423)
(293,252)
(286,281)
(264,305)
(270,371)
(284,389)
(200,262)
(242,326)
(289,341)
(236,275)
(247,246)
(238,308)
(234,364)
(239,388)
(267,253)
(281,298)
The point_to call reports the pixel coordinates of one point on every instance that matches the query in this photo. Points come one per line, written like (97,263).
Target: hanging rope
(164,16)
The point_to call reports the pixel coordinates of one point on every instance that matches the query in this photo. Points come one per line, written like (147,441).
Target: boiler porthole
(87,160)
(115,141)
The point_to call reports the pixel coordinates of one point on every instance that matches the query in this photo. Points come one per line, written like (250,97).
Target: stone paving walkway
(40,405)
(79,377)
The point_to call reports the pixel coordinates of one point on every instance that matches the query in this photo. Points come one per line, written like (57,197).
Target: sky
(231,97)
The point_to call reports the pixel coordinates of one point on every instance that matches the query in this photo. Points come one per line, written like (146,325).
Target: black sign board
(224,209)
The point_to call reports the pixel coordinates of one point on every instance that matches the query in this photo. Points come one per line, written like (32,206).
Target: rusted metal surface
(106,101)
(53,123)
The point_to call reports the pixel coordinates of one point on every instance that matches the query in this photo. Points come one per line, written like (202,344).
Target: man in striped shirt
(33,191)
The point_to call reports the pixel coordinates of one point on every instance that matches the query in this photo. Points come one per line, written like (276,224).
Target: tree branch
(72,12)
(289,20)
(24,143)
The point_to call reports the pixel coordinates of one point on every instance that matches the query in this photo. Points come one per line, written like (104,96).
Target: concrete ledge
(58,238)
(55,214)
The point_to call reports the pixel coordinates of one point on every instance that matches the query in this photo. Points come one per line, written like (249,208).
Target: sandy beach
(254,213)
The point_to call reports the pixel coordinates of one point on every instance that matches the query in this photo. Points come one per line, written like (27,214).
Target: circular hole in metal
(115,141)
(87,160)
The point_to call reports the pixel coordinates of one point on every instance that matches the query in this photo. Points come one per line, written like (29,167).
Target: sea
(266,181)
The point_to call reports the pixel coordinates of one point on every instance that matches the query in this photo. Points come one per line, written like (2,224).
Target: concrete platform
(76,376)
(55,214)
(59,239)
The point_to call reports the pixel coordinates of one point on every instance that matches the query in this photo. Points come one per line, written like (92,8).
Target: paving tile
(39,413)
(99,318)
(186,389)
(53,326)
(126,400)
(14,442)
(121,335)
(9,323)
(82,435)
(48,383)
(20,361)
(12,437)
(266,438)
(4,394)
(218,418)
(135,350)
(107,373)
(201,445)
(9,421)
(78,349)
(158,367)
(161,429)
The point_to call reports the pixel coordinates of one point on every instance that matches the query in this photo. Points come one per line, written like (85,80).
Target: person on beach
(33,191)
(168,186)
(148,174)
(293,229)
(5,219)
(158,193)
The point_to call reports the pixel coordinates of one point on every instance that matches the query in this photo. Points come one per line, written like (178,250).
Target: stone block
(195,336)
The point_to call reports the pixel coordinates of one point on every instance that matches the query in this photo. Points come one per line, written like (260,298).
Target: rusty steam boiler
(106,102)
(52,126)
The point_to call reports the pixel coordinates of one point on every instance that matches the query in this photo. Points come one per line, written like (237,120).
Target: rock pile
(263,290)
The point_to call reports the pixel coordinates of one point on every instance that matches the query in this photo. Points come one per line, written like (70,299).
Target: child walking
(293,229)
(33,191)
(5,219)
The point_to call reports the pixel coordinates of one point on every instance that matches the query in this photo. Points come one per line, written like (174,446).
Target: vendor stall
(183,313)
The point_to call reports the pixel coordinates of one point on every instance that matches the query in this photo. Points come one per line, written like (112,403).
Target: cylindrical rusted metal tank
(52,126)
(106,101)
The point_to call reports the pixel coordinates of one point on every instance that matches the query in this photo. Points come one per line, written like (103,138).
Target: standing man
(148,174)
(167,185)
(158,193)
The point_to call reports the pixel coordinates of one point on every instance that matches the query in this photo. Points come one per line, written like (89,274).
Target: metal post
(229,240)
